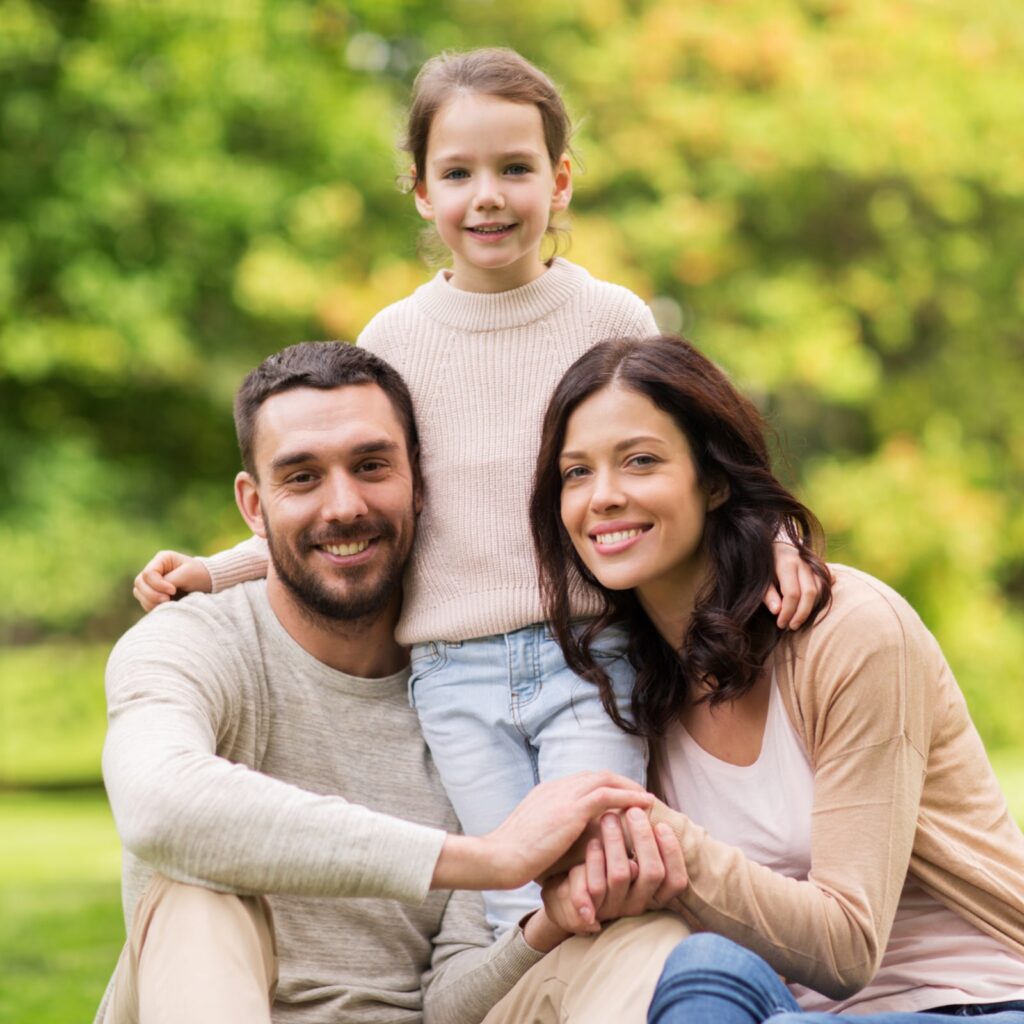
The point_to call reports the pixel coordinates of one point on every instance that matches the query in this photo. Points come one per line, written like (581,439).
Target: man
(289,853)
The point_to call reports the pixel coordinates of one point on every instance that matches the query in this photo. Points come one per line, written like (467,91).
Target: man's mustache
(370,530)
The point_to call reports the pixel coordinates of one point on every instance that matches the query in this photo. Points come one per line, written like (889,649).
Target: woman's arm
(863,681)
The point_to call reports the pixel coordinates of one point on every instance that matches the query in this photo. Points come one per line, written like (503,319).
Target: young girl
(481,347)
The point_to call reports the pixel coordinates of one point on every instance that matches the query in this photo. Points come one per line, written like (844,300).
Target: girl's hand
(170,574)
(610,884)
(800,587)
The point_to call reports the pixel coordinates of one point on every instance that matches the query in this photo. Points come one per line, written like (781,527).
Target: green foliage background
(826,195)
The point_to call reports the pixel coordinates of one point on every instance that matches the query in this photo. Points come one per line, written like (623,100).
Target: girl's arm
(170,574)
(799,586)
(866,680)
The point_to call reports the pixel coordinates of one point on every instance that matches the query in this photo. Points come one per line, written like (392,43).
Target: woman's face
(631,500)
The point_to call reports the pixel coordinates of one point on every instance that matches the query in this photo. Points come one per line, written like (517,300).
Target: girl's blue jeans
(502,713)
(711,979)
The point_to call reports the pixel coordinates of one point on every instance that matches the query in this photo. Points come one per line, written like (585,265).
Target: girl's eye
(455,174)
(517,169)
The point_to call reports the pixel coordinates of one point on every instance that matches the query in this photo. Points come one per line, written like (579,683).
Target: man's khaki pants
(209,958)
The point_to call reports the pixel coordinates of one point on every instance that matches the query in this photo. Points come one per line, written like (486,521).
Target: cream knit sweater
(481,368)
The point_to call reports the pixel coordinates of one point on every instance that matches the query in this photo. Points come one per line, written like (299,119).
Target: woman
(841,823)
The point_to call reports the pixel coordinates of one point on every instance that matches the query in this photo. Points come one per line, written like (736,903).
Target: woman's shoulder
(862,603)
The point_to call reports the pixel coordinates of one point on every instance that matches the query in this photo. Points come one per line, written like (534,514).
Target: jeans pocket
(424,661)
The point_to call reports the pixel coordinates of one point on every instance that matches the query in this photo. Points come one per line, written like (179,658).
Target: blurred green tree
(827,196)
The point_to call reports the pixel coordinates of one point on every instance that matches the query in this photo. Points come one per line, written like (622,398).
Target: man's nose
(343,499)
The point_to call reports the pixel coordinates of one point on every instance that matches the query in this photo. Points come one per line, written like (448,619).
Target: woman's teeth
(616,536)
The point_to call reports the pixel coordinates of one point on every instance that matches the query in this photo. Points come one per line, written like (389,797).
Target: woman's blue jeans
(711,980)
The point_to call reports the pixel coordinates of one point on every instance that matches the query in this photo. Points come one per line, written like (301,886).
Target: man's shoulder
(215,627)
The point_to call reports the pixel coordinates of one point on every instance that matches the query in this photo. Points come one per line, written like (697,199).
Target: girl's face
(490,188)
(631,500)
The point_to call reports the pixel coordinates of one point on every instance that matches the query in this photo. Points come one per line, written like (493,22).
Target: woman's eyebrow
(628,442)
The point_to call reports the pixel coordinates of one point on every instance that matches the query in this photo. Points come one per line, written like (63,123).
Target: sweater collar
(495,311)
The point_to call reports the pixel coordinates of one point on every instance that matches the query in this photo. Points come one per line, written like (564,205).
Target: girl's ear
(562,193)
(423,204)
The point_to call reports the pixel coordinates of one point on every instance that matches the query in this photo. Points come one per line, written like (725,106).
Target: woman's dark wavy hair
(731,632)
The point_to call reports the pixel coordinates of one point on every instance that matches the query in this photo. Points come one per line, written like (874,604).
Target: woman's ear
(718,493)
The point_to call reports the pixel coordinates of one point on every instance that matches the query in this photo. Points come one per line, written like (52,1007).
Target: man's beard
(311,590)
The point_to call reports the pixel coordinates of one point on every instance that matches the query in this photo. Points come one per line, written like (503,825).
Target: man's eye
(373,466)
(300,479)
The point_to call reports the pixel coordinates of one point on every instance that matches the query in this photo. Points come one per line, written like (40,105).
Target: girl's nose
(489,195)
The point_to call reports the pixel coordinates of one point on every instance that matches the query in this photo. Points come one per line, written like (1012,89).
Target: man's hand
(544,825)
(169,574)
(609,884)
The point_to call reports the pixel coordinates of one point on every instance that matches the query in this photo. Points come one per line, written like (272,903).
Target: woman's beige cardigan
(901,782)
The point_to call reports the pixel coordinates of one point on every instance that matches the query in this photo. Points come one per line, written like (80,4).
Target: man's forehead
(353,415)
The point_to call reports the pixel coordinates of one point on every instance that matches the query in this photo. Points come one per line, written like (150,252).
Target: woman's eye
(574,473)
(642,461)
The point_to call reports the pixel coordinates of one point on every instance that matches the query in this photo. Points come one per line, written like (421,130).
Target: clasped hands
(628,867)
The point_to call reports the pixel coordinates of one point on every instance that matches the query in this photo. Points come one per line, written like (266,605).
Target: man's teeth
(347,549)
(616,536)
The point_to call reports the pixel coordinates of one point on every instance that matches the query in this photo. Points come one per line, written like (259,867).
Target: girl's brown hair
(493,71)
(730,634)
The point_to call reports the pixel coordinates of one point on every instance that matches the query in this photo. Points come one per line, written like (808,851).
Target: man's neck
(363,647)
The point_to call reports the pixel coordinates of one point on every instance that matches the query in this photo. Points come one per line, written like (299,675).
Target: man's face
(337,498)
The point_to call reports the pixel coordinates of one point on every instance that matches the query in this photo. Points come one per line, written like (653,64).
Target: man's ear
(562,193)
(424,206)
(718,493)
(247,498)
(417,482)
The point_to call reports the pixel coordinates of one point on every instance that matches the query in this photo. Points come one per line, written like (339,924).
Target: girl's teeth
(347,549)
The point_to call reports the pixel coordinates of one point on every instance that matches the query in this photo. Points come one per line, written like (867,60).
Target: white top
(481,368)
(934,956)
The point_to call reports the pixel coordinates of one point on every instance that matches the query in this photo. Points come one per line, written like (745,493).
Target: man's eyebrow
(378,446)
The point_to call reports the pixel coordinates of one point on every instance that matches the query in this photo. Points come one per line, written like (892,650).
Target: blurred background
(825,195)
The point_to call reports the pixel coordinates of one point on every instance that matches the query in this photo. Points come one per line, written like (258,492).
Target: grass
(60,904)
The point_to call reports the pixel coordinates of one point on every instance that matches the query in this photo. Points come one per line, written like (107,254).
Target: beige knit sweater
(481,368)
(901,783)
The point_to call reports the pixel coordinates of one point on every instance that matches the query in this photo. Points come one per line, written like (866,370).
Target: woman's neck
(669,603)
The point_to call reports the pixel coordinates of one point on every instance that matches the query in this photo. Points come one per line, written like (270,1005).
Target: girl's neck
(469,278)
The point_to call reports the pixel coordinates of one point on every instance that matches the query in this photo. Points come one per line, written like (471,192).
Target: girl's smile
(489,186)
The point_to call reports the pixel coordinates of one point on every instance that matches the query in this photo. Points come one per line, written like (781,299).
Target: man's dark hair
(317,364)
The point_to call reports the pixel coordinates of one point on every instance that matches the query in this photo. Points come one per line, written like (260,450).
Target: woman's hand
(610,884)
(799,586)
(170,574)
